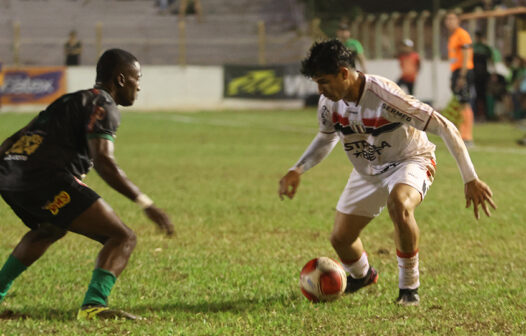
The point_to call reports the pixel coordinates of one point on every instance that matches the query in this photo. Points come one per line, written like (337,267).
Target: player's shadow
(235,306)
(39,314)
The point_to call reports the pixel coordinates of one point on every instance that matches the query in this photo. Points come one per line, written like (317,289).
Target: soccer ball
(322,279)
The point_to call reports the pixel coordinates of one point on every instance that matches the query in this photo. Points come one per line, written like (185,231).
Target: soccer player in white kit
(382,130)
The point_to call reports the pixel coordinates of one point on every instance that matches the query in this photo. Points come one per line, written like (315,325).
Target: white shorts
(367,195)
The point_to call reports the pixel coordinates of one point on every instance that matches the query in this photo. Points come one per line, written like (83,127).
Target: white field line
(305,130)
(240,124)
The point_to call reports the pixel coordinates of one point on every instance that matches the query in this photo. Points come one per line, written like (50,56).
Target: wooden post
(391,33)
(182,42)
(366,36)
(262,43)
(378,35)
(98,40)
(472,25)
(16,43)
(406,25)
(437,20)
(420,33)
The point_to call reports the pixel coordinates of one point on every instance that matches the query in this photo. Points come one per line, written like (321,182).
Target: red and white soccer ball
(322,279)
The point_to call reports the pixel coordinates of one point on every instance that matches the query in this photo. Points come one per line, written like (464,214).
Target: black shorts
(58,203)
(463,94)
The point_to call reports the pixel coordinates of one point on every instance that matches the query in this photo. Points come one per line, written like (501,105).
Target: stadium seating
(227,34)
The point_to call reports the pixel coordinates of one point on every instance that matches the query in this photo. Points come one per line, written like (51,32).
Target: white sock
(408,275)
(359,268)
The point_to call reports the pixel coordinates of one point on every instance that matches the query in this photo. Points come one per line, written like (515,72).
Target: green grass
(233,268)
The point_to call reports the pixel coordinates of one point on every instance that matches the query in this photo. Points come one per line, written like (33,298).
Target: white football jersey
(386,126)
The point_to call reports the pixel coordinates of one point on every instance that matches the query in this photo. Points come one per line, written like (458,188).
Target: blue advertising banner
(32,85)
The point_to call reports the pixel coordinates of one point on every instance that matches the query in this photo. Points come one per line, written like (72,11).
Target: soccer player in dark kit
(41,167)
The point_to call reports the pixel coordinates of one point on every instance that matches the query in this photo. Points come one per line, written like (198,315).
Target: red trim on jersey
(336,118)
(369,122)
(406,255)
(375,122)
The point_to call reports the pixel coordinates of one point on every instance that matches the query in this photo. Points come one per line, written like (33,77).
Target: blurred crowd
(499,90)
(180,7)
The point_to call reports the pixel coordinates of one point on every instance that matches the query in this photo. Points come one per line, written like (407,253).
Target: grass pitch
(233,268)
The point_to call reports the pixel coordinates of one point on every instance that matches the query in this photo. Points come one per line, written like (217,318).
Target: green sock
(99,288)
(9,272)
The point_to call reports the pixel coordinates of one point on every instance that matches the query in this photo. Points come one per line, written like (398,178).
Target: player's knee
(398,208)
(124,237)
(130,239)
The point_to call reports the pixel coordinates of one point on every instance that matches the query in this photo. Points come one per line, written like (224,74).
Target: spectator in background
(315,31)
(409,65)
(517,86)
(164,6)
(460,54)
(344,35)
(518,94)
(1,82)
(195,7)
(482,59)
(73,49)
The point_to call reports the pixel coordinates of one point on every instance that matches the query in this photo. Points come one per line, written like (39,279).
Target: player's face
(451,22)
(331,86)
(131,84)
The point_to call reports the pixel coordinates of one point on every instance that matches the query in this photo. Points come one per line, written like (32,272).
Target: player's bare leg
(100,223)
(345,235)
(347,244)
(30,248)
(401,203)
(34,243)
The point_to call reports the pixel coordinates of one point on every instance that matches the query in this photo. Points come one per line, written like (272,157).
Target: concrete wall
(201,87)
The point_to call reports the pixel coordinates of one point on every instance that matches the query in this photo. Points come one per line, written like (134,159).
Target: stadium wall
(201,87)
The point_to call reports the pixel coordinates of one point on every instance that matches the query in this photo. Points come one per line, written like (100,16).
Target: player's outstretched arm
(476,191)
(101,151)
(479,193)
(320,147)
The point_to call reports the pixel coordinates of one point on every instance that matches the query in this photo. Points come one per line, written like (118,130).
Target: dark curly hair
(111,61)
(326,58)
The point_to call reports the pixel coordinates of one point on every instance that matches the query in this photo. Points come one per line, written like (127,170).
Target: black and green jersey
(57,141)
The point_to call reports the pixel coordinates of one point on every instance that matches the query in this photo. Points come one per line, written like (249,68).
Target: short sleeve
(464,40)
(104,118)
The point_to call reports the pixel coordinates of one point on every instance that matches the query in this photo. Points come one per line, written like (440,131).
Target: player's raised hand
(289,184)
(479,193)
(160,218)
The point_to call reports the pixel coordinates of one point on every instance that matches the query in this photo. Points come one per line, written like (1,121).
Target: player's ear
(344,71)
(121,79)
